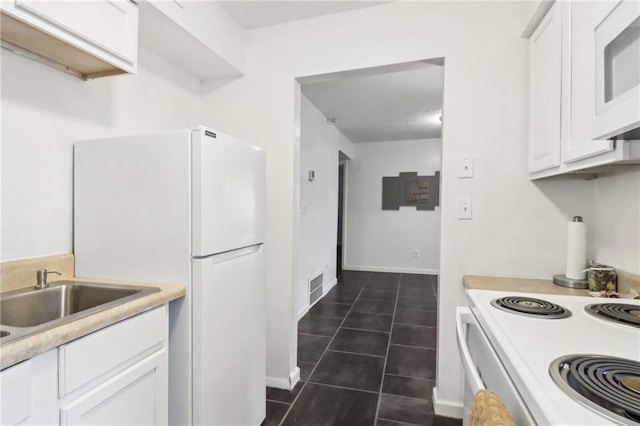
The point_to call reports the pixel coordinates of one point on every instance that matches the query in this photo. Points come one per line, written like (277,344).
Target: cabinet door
(28,391)
(136,396)
(545,68)
(616,31)
(111,25)
(579,143)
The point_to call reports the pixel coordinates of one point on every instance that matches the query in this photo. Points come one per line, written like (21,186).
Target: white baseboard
(441,407)
(303,311)
(281,383)
(328,288)
(391,269)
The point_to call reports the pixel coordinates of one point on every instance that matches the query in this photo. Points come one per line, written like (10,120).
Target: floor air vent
(315,288)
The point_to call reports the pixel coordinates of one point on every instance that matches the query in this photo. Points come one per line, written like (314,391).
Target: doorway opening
(356,128)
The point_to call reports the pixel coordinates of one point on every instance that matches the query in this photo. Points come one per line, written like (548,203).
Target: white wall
(617,233)
(383,240)
(320,142)
(44,111)
(516,222)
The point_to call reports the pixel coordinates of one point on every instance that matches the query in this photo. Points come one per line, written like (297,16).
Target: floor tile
(355,274)
(361,342)
(337,310)
(348,287)
(421,292)
(354,371)
(414,335)
(416,303)
(364,321)
(319,325)
(443,421)
(374,306)
(418,277)
(403,409)
(341,296)
(382,285)
(408,386)
(416,284)
(373,294)
(384,276)
(416,317)
(310,348)
(411,362)
(325,405)
(383,422)
(283,395)
(305,369)
(275,413)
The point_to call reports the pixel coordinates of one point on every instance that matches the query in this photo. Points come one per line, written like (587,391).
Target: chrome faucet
(42,278)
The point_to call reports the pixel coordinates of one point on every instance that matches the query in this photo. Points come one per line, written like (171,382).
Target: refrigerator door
(229,353)
(228,193)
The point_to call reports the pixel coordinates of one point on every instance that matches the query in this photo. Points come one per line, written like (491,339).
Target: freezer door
(229,335)
(228,193)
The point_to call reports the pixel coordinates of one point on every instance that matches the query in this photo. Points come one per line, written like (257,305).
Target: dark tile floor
(367,356)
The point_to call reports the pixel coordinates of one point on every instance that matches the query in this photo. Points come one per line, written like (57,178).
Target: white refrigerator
(188,207)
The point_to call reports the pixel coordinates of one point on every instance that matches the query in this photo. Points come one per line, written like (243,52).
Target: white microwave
(616,30)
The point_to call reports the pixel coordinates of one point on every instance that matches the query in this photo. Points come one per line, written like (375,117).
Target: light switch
(465,167)
(464,208)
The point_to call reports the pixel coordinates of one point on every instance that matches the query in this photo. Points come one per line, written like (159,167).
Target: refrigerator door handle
(231,254)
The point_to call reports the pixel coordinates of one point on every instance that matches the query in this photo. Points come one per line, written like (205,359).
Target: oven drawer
(483,368)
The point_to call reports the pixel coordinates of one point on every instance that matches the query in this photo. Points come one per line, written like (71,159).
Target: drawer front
(136,396)
(111,25)
(106,352)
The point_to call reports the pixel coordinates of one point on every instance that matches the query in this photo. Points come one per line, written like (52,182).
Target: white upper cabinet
(563,94)
(198,37)
(579,143)
(544,92)
(615,30)
(91,38)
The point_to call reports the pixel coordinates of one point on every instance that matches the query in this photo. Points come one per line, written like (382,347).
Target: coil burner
(621,313)
(531,307)
(607,385)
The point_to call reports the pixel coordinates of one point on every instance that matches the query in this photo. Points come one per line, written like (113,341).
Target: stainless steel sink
(26,311)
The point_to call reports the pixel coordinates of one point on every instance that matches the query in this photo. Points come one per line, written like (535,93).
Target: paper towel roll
(576,249)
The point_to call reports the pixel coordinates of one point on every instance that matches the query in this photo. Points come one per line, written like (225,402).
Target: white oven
(616,32)
(513,355)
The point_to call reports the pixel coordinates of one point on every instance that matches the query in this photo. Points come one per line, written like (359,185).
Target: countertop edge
(20,350)
(518,285)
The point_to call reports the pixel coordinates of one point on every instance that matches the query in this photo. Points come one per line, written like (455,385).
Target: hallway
(367,356)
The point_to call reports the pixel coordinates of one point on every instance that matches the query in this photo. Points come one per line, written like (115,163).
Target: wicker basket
(488,410)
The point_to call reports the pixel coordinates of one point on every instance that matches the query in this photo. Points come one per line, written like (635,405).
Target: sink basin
(4,333)
(40,306)
(26,311)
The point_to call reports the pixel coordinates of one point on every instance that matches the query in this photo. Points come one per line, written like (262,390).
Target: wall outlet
(415,253)
(465,167)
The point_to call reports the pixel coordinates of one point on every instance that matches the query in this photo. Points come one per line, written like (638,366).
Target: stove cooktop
(620,313)
(528,344)
(608,385)
(531,306)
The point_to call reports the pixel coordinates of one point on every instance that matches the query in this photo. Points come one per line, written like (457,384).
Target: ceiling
(262,13)
(390,103)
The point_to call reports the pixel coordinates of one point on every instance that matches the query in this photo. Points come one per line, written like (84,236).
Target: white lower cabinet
(117,375)
(136,396)
(28,391)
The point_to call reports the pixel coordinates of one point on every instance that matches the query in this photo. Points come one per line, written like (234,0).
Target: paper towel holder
(563,280)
